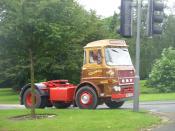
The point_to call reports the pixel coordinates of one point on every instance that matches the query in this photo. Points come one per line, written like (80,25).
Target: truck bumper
(122,97)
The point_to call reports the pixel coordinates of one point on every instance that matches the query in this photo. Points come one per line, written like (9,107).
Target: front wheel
(86,98)
(114,104)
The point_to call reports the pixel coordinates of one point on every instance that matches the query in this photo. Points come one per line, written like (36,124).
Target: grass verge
(144,89)
(75,120)
(151,94)
(157,97)
(8,96)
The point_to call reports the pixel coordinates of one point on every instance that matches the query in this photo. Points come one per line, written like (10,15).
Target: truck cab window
(95,56)
(91,57)
(84,61)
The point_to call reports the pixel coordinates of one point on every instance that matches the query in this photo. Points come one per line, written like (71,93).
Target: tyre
(49,104)
(86,98)
(114,104)
(61,105)
(40,101)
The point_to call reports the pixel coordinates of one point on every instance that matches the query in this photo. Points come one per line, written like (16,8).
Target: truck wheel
(86,98)
(49,104)
(114,104)
(61,105)
(40,101)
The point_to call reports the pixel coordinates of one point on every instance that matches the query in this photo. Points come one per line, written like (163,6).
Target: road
(11,106)
(154,106)
(165,109)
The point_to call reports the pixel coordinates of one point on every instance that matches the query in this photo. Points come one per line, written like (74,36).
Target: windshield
(117,56)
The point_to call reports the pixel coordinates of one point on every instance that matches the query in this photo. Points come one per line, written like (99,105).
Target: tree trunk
(32,84)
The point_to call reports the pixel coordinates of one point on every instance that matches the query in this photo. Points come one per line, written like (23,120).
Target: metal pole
(148,19)
(137,65)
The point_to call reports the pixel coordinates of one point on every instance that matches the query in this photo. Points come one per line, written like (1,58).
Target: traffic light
(156,16)
(126,18)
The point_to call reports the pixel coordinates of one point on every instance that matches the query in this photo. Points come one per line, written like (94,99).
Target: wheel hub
(29,99)
(85,98)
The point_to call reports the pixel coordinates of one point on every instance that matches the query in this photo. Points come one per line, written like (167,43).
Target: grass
(75,120)
(8,96)
(151,94)
(144,89)
(157,97)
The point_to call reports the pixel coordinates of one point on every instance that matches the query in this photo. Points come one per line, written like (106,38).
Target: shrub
(162,75)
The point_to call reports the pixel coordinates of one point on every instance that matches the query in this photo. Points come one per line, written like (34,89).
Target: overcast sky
(102,7)
(106,8)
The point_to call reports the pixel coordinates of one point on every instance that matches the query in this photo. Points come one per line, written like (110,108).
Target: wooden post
(33,115)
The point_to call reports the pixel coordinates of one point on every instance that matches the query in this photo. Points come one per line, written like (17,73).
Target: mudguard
(90,84)
(38,86)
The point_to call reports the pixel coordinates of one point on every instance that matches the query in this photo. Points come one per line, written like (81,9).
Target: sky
(103,8)
(106,8)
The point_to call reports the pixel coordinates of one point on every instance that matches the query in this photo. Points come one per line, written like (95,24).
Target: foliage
(152,48)
(162,75)
(55,30)
(112,24)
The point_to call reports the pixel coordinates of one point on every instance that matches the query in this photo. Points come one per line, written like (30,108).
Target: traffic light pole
(149,19)
(137,64)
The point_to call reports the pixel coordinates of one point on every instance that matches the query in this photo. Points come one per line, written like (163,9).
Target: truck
(107,76)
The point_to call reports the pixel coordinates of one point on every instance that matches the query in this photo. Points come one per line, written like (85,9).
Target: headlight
(131,80)
(123,80)
(117,88)
(127,80)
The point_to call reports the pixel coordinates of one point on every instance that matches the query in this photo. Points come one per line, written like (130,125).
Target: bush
(162,75)
(146,89)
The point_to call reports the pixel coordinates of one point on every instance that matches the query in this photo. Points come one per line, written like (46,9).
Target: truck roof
(107,42)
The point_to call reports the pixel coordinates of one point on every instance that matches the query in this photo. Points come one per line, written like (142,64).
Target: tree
(24,25)
(60,29)
(112,24)
(162,75)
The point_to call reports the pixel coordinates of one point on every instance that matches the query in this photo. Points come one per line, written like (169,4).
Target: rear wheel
(40,101)
(49,104)
(86,98)
(61,105)
(114,104)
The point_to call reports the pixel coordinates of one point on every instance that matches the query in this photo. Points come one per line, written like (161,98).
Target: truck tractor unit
(107,76)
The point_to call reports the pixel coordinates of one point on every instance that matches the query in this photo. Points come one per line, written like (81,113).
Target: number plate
(129,94)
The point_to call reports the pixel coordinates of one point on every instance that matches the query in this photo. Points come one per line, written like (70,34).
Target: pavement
(164,109)
(169,126)
(11,106)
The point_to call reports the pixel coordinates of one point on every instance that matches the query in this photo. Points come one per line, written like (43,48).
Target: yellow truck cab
(107,75)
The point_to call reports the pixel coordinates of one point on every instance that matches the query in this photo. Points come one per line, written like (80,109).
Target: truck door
(92,70)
